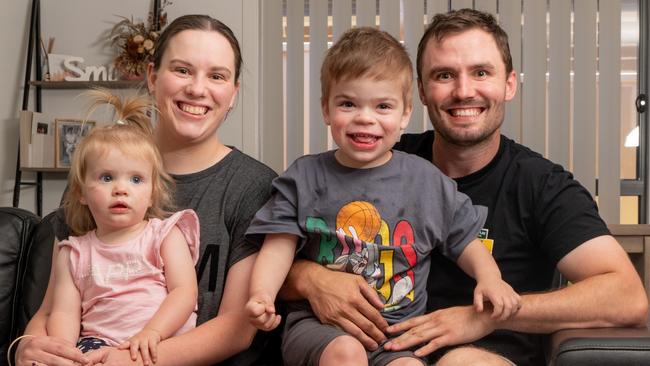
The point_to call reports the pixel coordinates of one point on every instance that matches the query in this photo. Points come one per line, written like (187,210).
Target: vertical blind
(566,53)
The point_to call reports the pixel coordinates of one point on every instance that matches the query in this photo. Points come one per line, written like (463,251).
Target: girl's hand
(146,341)
(261,313)
(505,301)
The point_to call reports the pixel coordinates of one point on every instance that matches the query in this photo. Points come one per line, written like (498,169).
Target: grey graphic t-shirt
(381,223)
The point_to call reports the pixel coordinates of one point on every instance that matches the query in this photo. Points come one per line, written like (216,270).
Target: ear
(511,85)
(234,95)
(406,116)
(82,200)
(423,98)
(324,108)
(151,77)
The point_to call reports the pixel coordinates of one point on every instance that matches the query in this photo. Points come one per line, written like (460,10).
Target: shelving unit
(37,84)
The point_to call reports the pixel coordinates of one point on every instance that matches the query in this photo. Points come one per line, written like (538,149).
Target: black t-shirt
(537,213)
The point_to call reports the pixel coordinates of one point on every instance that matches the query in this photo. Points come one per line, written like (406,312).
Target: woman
(194,80)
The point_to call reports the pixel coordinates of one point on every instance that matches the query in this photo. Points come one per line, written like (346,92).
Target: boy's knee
(472,356)
(344,350)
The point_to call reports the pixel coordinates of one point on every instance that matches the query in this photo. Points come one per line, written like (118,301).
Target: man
(539,219)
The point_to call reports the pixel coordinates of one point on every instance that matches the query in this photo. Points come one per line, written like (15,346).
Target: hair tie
(120,122)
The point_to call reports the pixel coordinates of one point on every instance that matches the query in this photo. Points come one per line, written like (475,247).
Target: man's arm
(605,292)
(342,299)
(213,341)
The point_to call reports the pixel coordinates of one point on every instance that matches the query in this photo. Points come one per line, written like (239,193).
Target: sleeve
(462,219)
(188,223)
(280,213)
(76,257)
(253,196)
(565,213)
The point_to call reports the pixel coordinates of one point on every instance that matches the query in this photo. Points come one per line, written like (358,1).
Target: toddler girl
(126,278)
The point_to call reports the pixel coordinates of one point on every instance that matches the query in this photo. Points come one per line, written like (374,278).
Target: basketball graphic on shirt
(360,218)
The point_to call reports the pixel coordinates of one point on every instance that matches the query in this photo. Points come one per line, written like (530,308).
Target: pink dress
(123,285)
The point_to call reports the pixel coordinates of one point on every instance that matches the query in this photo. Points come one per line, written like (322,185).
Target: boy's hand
(261,313)
(505,301)
(147,342)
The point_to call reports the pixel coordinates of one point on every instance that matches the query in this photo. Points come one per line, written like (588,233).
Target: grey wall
(79,28)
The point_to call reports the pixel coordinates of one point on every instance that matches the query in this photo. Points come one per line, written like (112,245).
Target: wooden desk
(635,239)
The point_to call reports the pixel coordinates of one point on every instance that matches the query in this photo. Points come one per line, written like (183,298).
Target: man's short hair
(457,21)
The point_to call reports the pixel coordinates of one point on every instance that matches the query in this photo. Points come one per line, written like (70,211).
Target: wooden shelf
(46,170)
(118,84)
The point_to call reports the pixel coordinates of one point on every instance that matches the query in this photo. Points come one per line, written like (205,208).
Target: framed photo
(69,133)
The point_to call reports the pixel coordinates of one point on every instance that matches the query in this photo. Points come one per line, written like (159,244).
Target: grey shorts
(305,338)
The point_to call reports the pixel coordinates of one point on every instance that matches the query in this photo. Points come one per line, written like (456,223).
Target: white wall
(79,28)
(13,33)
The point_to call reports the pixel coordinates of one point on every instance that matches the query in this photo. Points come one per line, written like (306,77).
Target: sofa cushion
(16,229)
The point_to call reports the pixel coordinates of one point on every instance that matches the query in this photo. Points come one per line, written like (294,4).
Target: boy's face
(366,117)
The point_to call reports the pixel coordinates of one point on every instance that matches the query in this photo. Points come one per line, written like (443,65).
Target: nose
(119,188)
(464,88)
(196,86)
(364,116)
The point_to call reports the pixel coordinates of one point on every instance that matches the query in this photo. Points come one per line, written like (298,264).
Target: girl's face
(117,189)
(194,86)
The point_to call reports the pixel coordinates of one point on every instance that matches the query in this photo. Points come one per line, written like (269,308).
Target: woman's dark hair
(196,22)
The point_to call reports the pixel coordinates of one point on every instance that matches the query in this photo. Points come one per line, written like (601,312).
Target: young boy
(366,209)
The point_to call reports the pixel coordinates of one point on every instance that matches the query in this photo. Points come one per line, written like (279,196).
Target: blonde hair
(132,134)
(367,52)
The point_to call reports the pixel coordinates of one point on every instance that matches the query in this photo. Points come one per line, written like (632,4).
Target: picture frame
(69,133)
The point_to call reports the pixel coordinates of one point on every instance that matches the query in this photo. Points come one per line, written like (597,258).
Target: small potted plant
(135,43)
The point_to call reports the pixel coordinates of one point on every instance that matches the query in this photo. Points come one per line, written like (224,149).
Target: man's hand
(49,351)
(446,327)
(347,301)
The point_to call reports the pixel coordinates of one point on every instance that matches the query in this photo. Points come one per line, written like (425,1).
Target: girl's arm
(65,319)
(41,348)
(215,340)
(179,303)
(271,268)
(478,263)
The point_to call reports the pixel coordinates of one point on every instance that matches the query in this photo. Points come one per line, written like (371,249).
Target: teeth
(193,109)
(465,112)
(364,138)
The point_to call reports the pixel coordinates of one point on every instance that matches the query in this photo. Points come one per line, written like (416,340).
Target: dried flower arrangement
(135,42)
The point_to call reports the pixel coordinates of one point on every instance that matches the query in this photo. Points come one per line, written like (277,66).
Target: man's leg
(472,356)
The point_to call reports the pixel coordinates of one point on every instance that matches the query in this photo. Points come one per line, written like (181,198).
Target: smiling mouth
(363,138)
(192,109)
(465,112)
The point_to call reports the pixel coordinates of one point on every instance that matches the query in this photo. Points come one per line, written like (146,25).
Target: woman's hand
(49,351)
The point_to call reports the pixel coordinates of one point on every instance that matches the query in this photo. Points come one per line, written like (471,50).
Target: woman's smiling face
(194,86)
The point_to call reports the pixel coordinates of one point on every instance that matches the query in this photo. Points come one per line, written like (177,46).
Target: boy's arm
(182,288)
(478,263)
(270,270)
(65,319)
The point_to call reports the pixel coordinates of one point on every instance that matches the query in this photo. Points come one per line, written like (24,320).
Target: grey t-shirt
(381,223)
